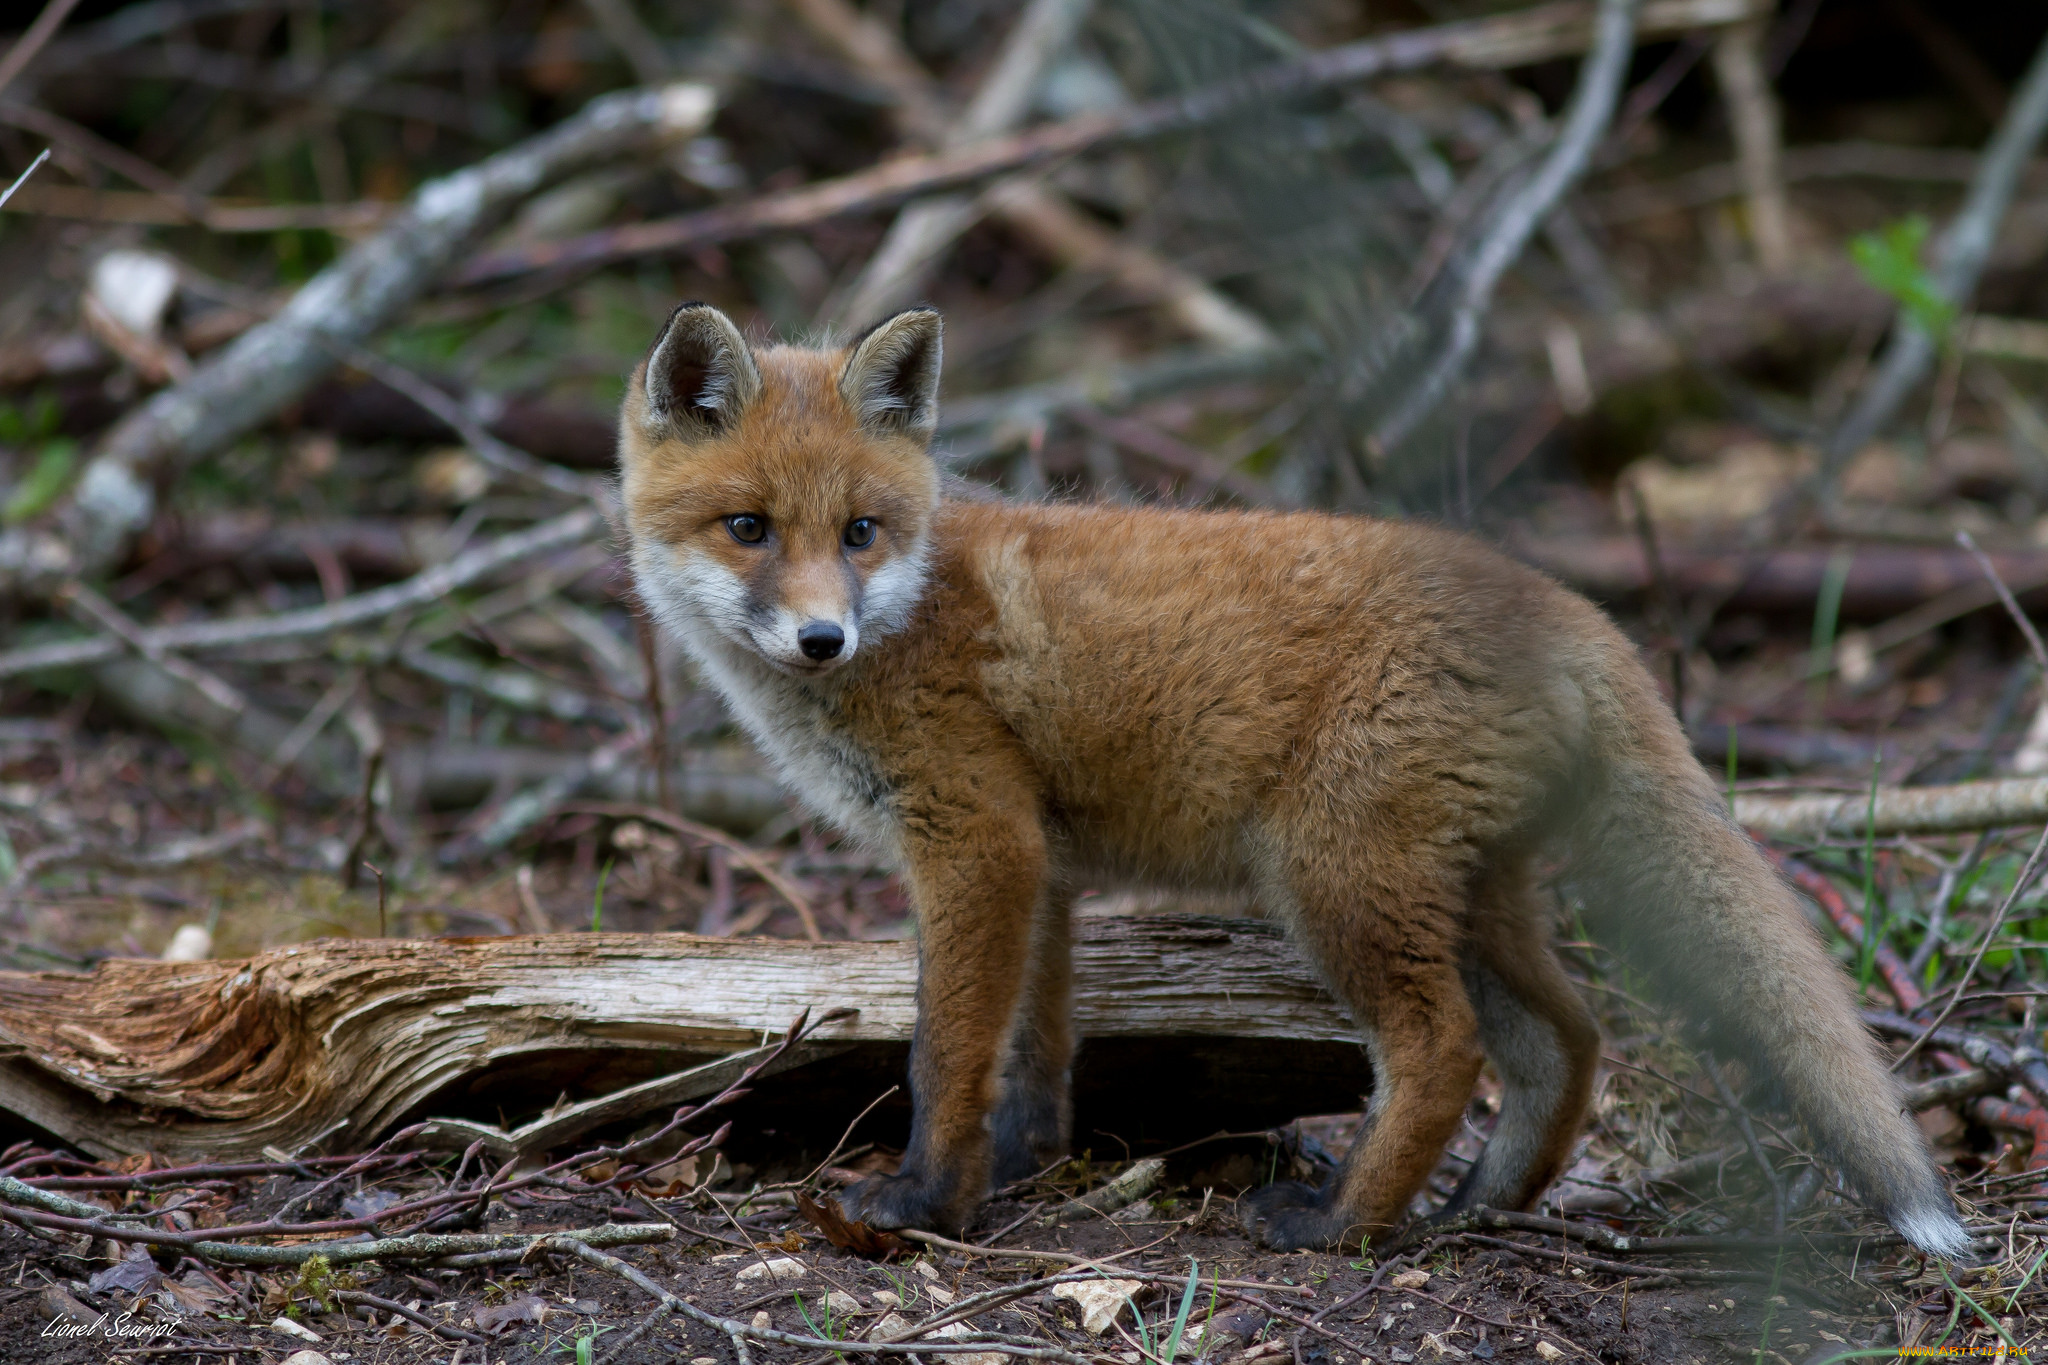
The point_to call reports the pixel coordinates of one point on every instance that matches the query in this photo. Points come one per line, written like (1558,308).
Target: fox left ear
(891,378)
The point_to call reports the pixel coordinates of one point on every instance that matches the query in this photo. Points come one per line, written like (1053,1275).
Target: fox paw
(900,1201)
(1290,1216)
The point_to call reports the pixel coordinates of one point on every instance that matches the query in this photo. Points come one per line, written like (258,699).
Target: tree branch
(1518,217)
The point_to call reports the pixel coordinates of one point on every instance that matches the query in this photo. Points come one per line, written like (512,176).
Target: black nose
(821,640)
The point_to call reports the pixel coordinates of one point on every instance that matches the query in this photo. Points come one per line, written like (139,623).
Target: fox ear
(700,376)
(891,378)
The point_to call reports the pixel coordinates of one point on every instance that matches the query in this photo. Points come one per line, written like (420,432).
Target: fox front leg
(975,876)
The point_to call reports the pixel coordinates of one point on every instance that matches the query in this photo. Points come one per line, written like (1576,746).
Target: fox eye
(860,533)
(747,528)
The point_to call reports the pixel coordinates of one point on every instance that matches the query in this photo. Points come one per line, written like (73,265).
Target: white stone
(293,1329)
(781,1268)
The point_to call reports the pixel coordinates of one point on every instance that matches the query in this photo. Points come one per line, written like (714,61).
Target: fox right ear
(700,375)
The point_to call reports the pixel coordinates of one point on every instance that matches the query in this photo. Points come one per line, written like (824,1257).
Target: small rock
(1098,1300)
(307,1358)
(926,1269)
(762,1322)
(781,1268)
(892,1324)
(1548,1351)
(940,1292)
(703,1360)
(1411,1279)
(839,1301)
(293,1329)
(58,1304)
(192,943)
(888,1298)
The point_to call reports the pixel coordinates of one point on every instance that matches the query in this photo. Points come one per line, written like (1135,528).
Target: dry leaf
(500,1318)
(847,1235)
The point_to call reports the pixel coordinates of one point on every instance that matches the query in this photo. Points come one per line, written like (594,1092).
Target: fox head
(782,498)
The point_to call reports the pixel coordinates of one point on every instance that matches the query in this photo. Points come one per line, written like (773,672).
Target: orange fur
(1373,727)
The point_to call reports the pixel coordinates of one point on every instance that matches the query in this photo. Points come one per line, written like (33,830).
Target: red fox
(1373,728)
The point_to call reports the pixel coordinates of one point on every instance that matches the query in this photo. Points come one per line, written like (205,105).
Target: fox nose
(821,640)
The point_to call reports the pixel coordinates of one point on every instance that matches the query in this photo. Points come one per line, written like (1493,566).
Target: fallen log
(1187,1023)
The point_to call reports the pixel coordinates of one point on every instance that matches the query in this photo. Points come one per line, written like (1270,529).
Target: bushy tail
(1692,904)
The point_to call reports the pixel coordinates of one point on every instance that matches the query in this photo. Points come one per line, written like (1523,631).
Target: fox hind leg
(1395,968)
(1541,1039)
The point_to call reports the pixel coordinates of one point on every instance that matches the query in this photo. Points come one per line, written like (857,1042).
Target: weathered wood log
(1189,1024)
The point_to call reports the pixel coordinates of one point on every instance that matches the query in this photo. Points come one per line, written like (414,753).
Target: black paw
(1290,1216)
(901,1201)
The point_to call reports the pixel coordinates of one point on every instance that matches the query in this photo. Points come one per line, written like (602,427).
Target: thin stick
(22,179)
(33,41)
(2012,606)
(2020,884)
(746,856)
(422,589)
(1756,1148)
(109,617)
(413,1315)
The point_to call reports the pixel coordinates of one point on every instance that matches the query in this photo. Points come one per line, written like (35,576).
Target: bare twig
(2005,597)
(412,1315)
(22,179)
(747,857)
(33,40)
(2020,884)
(1753,116)
(1756,1147)
(421,590)
(1519,215)
(99,611)
(461,414)
(1959,260)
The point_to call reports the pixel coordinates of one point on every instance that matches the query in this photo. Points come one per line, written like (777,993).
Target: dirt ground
(1481,1303)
